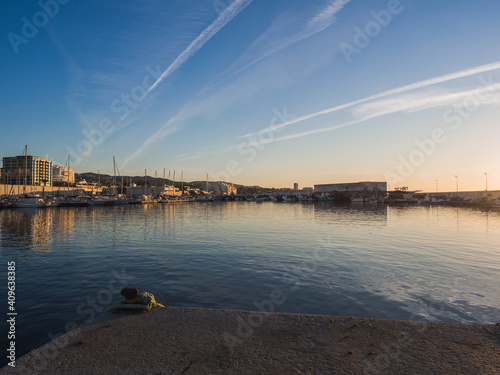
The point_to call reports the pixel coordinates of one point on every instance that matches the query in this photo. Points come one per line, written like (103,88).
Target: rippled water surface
(438,263)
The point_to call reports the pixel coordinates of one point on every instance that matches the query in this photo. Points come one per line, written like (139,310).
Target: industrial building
(363,189)
(27,170)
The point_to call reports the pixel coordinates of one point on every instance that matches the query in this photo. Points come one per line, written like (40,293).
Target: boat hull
(73,204)
(28,205)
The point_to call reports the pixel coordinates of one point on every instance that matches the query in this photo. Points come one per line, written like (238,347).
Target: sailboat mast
(182,182)
(114,176)
(145,182)
(69,160)
(25,167)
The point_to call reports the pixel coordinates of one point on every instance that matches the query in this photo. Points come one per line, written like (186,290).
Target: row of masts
(115,170)
(172,182)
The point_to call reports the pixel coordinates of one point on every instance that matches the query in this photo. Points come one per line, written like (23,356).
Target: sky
(257,92)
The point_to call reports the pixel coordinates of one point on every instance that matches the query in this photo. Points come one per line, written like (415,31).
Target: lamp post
(486,175)
(436,186)
(457,182)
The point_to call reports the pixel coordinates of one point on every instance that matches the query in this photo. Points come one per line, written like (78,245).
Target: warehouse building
(352,188)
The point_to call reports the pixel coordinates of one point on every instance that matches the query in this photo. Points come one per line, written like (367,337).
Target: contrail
(229,13)
(164,131)
(315,25)
(226,16)
(398,90)
(419,105)
(322,20)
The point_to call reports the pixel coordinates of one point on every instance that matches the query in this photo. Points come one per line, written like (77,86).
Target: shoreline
(200,341)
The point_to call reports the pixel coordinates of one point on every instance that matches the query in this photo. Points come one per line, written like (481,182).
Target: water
(420,263)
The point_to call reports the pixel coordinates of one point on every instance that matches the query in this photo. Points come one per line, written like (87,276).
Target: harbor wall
(41,190)
(465,194)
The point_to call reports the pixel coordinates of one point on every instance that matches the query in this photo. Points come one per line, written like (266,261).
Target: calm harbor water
(435,263)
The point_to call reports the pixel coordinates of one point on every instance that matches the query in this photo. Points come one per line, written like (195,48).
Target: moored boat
(96,202)
(53,202)
(493,203)
(357,200)
(5,204)
(325,197)
(74,202)
(30,203)
(121,199)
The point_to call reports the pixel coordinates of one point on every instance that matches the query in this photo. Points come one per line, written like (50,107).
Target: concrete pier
(205,341)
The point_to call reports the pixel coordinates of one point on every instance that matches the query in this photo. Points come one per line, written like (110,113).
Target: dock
(183,340)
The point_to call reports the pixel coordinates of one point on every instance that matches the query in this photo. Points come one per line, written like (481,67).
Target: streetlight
(457,182)
(486,175)
(436,186)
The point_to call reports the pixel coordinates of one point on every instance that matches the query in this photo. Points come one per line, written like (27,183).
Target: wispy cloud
(392,101)
(283,33)
(279,35)
(404,103)
(423,101)
(167,129)
(414,86)
(226,16)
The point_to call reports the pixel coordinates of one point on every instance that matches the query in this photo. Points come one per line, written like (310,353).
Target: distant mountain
(106,179)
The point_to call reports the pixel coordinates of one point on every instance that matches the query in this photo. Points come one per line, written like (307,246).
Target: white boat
(30,203)
(357,200)
(146,199)
(305,198)
(53,202)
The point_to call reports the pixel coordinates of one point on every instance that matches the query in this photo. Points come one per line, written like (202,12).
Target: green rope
(146,302)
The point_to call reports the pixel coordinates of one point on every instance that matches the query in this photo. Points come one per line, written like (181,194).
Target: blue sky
(258,92)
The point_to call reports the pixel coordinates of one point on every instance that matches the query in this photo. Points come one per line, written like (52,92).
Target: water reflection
(349,214)
(28,230)
(438,263)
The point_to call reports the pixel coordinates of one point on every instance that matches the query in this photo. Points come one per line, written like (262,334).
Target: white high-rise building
(63,174)
(27,170)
